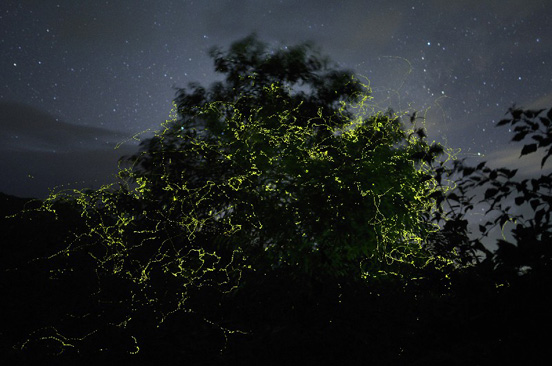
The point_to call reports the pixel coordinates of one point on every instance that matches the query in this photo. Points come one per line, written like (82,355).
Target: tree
(281,160)
(514,280)
(280,168)
(277,174)
(531,252)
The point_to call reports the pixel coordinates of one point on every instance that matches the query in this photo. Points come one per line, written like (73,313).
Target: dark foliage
(73,294)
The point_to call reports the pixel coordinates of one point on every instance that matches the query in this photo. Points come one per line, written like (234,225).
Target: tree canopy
(276,209)
(282,161)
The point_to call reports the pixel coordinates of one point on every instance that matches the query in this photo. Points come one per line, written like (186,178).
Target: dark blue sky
(79,77)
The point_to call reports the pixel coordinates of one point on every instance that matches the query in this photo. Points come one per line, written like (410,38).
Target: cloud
(508,10)
(40,152)
(26,128)
(544,101)
(369,26)
(529,166)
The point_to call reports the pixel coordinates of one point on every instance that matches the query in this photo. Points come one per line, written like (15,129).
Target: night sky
(77,78)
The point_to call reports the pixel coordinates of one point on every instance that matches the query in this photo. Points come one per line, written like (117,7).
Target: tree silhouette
(277,217)
(278,166)
(514,279)
(531,251)
(281,160)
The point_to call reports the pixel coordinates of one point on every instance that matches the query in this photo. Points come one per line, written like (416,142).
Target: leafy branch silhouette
(271,220)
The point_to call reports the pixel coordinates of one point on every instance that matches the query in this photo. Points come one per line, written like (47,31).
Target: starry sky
(82,81)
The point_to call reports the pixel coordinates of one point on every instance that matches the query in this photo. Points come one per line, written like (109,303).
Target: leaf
(418,155)
(545,121)
(527,149)
(520,136)
(521,128)
(519,200)
(425,177)
(533,113)
(453,197)
(490,193)
(546,157)
(480,165)
(535,184)
(436,194)
(539,215)
(467,171)
(421,133)
(507,172)
(503,219)
(482,228)
(436,149)
(545,142)
(535,204)
(549,114)
(534,126)
(502,122)
(516,113)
